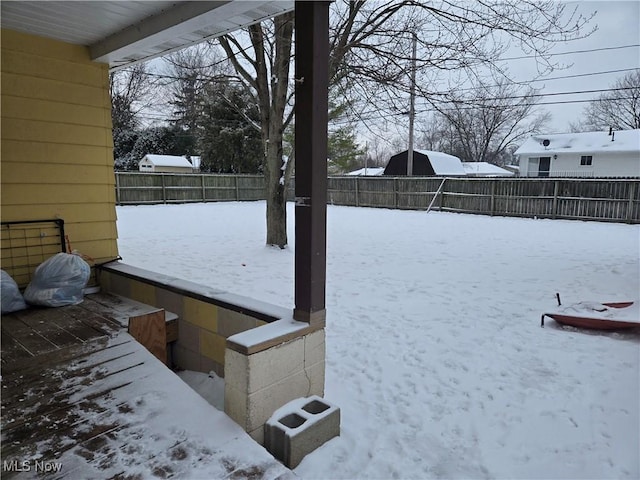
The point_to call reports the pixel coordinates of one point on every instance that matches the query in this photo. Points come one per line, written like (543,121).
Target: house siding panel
(40,66)
(45,89)
(48,111)
(32,44)
(57,146)
(66,193)
(54,132)
(33,152)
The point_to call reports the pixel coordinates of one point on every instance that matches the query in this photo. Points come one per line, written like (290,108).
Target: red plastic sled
(601,316)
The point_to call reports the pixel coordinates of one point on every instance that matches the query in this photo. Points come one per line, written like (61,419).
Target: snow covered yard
(434,348)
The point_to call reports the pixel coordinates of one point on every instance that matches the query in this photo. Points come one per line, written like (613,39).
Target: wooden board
(151,331)
(29,339)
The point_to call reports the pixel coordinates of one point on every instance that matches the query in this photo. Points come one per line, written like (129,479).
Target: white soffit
(123,32)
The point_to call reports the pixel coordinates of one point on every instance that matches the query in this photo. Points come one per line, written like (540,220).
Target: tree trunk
(276,200)
(276,186)
(276,216)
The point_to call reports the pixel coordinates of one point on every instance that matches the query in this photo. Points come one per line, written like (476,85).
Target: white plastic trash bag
(12,300)
(58,281)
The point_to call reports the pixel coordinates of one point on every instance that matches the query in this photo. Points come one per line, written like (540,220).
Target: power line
(571,53)
(582,75)
(562,77)
(376,115)
(516,97)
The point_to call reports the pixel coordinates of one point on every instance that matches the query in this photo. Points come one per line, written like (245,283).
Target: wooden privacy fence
(140,188)
(615,200)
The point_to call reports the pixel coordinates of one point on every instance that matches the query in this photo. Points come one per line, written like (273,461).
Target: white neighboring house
(369,172)
(165,164)
(589,154)
(485,169)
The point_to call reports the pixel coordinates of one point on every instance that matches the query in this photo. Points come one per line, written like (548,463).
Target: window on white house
(586,160)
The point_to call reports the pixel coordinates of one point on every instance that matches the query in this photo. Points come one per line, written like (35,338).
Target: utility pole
(412,109)
(366,158)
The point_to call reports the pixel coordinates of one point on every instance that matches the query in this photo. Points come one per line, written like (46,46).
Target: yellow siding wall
(57,146)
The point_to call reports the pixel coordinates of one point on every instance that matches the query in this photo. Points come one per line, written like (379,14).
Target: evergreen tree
(343,151)
(164,140)
(228,137)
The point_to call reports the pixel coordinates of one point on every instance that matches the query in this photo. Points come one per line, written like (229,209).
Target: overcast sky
(618,25)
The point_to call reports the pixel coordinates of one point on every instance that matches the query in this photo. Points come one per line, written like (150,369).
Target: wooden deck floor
(82,399)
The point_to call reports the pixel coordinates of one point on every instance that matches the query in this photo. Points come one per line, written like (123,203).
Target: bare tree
(266,74)
(189,71)
(131,91)
(481,125)
(618,108)
(369,55)
(371,45)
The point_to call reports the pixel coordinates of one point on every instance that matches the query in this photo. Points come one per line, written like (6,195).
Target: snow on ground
(435,353)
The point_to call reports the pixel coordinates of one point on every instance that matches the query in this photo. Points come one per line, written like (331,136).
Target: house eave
(122,33)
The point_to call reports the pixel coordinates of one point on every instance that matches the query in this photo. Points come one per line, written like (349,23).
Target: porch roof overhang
(121,33)
(124,32)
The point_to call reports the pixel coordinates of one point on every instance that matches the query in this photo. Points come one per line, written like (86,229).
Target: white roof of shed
(370,171)
(484,168)
(168,160)
(585,142)
(443,163)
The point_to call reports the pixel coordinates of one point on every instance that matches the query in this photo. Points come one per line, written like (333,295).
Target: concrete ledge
(299,427)
(238,303)
(270,335)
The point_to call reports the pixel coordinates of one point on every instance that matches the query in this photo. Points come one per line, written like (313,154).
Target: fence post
(554,209)
(117,188)
(396,193)
(164,192)
(632,191)
(204,190)
(357,198)
(237,188)
(493,195)
(442,194)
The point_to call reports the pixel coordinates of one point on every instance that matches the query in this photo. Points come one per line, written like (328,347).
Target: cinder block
(299,427)
(143,292)
(202,314)
(170,301)
(230,322)
(188,335)
(273,365)
(212,346)
(315,373)
(186,359)
(314,348)
(236,368)
(263,403)
(235,405)
(119,285)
